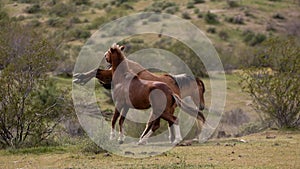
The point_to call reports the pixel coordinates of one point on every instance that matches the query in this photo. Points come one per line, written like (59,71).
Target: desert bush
(78,33)
(199,1)
(171,10)
(253,39)
(81,2)
(186,15)
(34,23)
(232,3)
(211,30)
(33,9)
(55,22)
(75,20)
(223,35)
(31,105)
(211,18)
(278,16)
(160,6)
(62,9)
(3,15)
(190,5)
(274,86)
(236,20)
(154,18)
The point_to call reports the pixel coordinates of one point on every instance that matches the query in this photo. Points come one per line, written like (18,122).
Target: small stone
(106,155)
(128,153)
(240,156)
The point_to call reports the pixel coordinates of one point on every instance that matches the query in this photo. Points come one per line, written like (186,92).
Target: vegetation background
(257,41)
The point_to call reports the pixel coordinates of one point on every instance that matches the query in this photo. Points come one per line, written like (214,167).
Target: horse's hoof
(142,143)
(121,141)
(176,141)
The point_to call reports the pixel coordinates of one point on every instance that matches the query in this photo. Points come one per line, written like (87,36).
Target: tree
(274,85)
(30,104)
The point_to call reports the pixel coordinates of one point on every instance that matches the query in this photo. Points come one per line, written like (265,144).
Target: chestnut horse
(142,94)
(182,85)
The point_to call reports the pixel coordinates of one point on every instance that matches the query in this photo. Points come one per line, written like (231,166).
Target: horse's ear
(111,49)
(122,48)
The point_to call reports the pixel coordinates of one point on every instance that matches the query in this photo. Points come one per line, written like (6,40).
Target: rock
(128,153)
(243,141)
(106,155)
(270,136)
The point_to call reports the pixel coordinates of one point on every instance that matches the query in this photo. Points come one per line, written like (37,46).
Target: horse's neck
(121,70)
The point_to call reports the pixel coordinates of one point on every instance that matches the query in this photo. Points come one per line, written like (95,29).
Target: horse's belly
(140,103)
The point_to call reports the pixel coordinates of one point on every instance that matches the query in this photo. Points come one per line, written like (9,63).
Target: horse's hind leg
(173,122)
(171,132)
(113,124)
(121,122)
(152,122)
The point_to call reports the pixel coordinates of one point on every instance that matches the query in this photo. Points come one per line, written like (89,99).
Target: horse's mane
(118,50)
(182,80)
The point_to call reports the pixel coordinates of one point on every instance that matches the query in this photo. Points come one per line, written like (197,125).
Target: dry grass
(259,152)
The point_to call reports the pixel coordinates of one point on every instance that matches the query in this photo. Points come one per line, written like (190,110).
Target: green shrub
(33,9)
(232,3)
(34,23)
(171,10)
(55,22)
(190,5)
(75,20)
(278,16)
(199,1)
(274,84)
(253,39)
(236,20)
(62,9)
(211,30)
(211,18)
(79,33)
(81,2)
(196,11)
(186,15)
(154,18)
(160,6)
(223,35)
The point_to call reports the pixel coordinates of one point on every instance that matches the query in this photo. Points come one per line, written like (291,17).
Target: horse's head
(114,54)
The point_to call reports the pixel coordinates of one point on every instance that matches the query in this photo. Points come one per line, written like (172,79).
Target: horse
(182,85)
(143,94)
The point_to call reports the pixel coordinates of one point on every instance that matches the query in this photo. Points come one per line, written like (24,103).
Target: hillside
(233,26)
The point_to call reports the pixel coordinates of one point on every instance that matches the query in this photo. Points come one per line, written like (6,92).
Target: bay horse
(182,85)
(143,94)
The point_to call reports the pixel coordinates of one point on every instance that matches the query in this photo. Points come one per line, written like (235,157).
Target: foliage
(62,9)
(274,85)
(199,1)
(160,6)
(211,18)
(232,3)
(186,15)
(81,2)
(31,106)
(33,9)
(253,39)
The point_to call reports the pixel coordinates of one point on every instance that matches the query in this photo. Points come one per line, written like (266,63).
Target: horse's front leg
(121,122)
(113,124)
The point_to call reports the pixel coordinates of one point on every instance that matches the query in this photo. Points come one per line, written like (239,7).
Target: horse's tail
(188,109)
